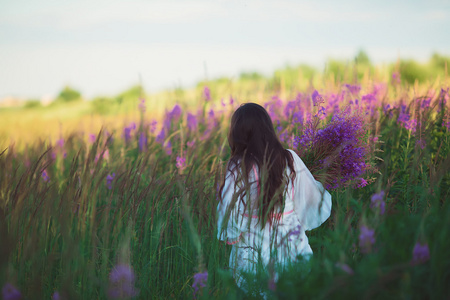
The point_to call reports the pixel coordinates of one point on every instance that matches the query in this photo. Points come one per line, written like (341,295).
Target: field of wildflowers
(129,212)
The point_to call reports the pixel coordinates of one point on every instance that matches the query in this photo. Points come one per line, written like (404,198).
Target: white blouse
(307,205)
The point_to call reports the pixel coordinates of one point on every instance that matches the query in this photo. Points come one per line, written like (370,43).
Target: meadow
(118,198)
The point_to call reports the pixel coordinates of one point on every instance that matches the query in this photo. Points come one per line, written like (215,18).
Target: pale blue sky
(101,47)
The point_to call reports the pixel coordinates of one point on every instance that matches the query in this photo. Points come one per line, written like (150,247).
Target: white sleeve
(229,228)
(312,203)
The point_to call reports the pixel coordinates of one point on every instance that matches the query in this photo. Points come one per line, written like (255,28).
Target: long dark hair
(254,143)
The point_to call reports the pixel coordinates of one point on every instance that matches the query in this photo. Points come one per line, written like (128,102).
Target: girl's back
(268,198)
(307,205)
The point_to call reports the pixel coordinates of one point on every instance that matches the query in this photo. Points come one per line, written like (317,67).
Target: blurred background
(79,66)
(102,48)
(114,118)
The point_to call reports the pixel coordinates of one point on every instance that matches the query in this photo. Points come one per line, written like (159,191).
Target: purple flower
(168,148)
(344,267)
(425,103)
(127,131)
(104,155)
(206,94)
(379,89)
(212,122)
(317,98)
(405,119)
(161,136)
(192,122)
(362,183)
(56,296)
(354,89)
(295,233)
(60,143)
(121,281)
(167,123)
(284,137)
(366,239)
(142,142)
(190,144)
(369,98)
(411,125)
(387,109)
(421,143)
(181,162)
(444,96)
(109,180)
(175,113)
(377,197)
(279,127)
(121,272)
(211,113)
(200,280)
(376,201)
(45,176)
(396,78)
(343,140)
(141,105)
(231,100)
(321,112)
(289,108)
(297,117)
(446,124)
(9,292)
(421,254)
(92,138)
(153,126)
(272,107)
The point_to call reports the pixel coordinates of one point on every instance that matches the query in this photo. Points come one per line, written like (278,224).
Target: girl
(268,198)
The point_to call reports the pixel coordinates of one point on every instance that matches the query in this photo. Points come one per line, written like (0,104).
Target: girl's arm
(312,203)
(229,212)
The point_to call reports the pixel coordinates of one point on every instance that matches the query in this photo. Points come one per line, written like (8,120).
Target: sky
(104,47)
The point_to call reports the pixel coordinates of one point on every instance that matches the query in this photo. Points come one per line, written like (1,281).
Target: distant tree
(221,80)
(32,104)
(130,97)
(410,70)
(362,58)
(68,95)
(440,61)
(289,76)
(133,92)
(250,76)
(102,105)
(337,68)
(307,71)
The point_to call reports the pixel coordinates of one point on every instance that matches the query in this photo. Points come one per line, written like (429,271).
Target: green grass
(68,233)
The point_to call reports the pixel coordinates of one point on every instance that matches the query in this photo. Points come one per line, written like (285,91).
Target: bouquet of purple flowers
(336,152)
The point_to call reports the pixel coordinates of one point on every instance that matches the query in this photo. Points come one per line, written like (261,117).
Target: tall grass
(66,229)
